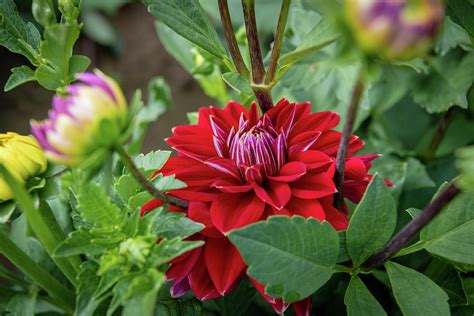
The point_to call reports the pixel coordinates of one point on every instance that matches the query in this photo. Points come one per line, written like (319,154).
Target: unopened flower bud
(92,116)
(22,157)
(394,29)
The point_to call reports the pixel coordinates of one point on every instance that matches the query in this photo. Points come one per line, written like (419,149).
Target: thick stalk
(280,31)
(262,94)
(443,125)
(146,184)
(412,228)
(345,140)
(36,273)
(231,40)
(44,225)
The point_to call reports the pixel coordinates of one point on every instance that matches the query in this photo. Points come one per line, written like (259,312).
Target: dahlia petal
(277,304)
(201,282)
(224,263)
(321,121)
(313,186)
(253,113)
(198,152)
(306,208)
(201,213)
(315,160)
(217,128)
(180,270)
(150,206)
(190,195)
(180,288)
(231,187)
(204,121)
(275,193)
(302,142)
(232,211)
(223,165)
(235,109)
(355,169)
(252,174)
(290,172)
(303,307)
(335,217)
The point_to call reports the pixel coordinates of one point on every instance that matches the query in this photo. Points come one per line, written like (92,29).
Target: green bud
(43,12)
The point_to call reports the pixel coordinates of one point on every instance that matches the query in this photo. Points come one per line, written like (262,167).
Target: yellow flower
(22,157)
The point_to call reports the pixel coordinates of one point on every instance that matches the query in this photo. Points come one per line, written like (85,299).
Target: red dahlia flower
(240,168)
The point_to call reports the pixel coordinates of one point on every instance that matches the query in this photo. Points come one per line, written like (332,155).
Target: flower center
(257,150)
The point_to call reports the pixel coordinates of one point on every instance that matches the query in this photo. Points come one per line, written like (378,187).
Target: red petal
(150,206)
(201,282)
(201,213)
(302,142)
(224,263)
(232,186)
(313,186)
(303,308)
(275,193)
(277,304)
(315,160)
(290,172)
(306,208)
(232,211)
(355,169)
(181,269)
(335,217)
(225,166)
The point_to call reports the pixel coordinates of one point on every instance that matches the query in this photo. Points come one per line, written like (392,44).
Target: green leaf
(192,117)
(234,303)
(413,212)
(77,64)
(448,85)
(178,47)
(159,100)
(449,279)
(168,249)
(15,34)
(57,48)
(451,37)
(465,164)
(137,293)
(416,176)
(152,161)
(175,306)
(300,249)
(237,82)
(359,300)
(19,76)
(167,183)
(96,208)
(173,224)
(6,211)
(319,37)
(86,303)
(462,12)
(415,293)
(82,241)
(98,28)
(188,19)
(372,223)
(23,304)
(449,235)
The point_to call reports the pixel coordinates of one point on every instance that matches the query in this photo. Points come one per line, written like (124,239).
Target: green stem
(345,141)
(263,95)
(231,40)
(443,125)
(280,31)
(36,273)
(9,276)
(42,222)
(146,184)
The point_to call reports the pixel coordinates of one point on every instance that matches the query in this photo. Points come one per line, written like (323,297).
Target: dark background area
(141,57)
